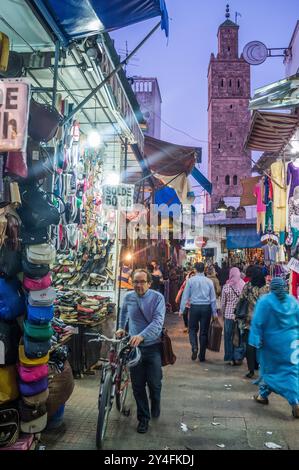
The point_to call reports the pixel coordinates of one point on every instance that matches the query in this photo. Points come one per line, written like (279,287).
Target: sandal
(261,400)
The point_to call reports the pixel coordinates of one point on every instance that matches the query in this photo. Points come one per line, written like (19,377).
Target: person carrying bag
(144,311)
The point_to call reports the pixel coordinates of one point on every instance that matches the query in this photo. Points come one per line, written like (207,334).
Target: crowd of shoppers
(263,318)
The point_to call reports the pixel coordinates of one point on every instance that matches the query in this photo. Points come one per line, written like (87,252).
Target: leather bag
(241,309)
(13,231)
(37,209)
(9,425)
(43,121)
(214,335)
(167,354)
(8,384)
(16,164)
(10,334)
(10,262)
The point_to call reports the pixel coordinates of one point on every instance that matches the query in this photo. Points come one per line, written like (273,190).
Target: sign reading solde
(118,196)
(14,110)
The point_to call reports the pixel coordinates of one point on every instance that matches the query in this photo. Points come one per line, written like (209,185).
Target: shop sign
(14,108)
(119,196)
(294,265)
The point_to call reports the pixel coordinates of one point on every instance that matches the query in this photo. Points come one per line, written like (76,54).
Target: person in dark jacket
(223,275)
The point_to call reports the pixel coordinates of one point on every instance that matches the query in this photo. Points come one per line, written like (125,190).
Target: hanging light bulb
(94,139)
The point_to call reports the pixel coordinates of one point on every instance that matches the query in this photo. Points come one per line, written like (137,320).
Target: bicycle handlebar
(101,337)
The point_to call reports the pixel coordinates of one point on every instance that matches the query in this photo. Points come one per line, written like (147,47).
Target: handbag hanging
(43,121)
(167,355)
(37,211)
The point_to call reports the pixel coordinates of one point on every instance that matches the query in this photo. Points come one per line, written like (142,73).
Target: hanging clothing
(274,332)
(269,217)
(292,178)
(279,196)
(268,190)
(260,206)
(293,209)
(294,284)
(270,252)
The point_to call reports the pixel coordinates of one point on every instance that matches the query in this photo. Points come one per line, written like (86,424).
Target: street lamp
(221,207)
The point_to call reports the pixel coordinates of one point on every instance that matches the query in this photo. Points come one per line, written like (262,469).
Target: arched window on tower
(222,83)
(230,83)
(227,180)
(239,83)
(235,180)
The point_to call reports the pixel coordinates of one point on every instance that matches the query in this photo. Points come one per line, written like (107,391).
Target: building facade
(229,117)
(148,95)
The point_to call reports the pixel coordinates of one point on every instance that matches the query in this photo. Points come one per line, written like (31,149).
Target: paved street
(194,394)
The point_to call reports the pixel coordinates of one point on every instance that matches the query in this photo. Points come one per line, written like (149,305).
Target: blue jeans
(199,315)
(147,372)
(231,353)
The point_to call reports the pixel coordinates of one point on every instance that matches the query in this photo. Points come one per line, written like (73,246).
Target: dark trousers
(231,353)
(147,372)
(199,315)
(250,355)
(185,316)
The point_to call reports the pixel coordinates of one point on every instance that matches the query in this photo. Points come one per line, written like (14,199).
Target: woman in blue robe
(275,333)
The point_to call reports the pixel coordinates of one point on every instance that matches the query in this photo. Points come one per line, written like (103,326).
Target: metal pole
(55,77)
(107,79)
(126,160)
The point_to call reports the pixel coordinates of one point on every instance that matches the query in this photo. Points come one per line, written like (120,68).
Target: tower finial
(227,14)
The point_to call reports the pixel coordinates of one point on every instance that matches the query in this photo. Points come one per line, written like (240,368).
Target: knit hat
(278,287)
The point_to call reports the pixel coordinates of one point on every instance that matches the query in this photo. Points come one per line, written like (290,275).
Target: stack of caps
(33,384)
(33,360)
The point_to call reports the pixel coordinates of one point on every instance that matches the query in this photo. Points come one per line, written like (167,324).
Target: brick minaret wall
(229,117)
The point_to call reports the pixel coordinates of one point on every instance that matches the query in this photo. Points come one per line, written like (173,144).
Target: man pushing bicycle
(143,312)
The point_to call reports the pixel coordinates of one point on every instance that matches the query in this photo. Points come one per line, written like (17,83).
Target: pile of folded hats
(74,306)
(34,357)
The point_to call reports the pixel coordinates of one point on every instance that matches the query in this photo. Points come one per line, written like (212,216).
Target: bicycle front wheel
(104,409)
(121,389)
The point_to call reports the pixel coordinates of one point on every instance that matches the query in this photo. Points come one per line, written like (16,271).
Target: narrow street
(194,394)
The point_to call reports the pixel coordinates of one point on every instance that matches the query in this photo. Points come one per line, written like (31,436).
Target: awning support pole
(55,78)
(107,79)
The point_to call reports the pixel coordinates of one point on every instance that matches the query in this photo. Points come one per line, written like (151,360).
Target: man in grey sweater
(144,310)
(200,292)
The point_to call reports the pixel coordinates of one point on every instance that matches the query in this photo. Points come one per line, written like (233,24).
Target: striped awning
(270,132)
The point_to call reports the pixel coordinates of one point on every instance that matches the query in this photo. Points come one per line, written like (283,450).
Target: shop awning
(281,94)
(166,196)
(73,19)
(202,180)
(270,131)
(245,237)
(169,159)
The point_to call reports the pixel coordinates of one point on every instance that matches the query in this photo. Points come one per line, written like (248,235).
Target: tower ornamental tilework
(229,117)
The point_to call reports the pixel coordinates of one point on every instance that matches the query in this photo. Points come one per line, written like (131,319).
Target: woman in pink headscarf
(230,295)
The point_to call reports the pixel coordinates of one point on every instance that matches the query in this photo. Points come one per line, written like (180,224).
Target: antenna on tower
(236,16)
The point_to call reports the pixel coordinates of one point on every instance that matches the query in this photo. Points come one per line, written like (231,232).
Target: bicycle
(114,383)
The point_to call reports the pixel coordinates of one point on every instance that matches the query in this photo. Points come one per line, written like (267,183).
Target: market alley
(212,399)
